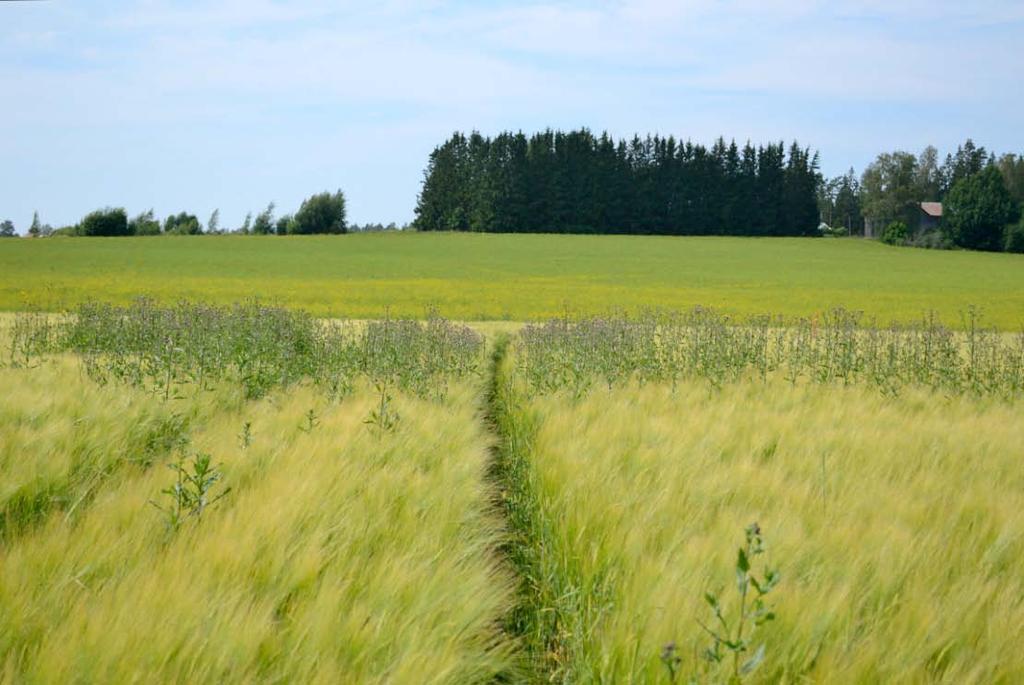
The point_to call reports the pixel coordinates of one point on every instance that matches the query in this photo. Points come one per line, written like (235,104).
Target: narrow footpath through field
(546,606)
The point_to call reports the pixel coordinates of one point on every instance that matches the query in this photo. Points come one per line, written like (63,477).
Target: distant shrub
(322,213)
(144,224)
(932,240)
(182,223)
(895,233)
(1014,238)
(110,221)
(264,223)
(376,228)
(283,225)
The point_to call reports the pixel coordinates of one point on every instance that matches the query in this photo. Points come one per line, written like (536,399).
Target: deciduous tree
(889,189)
(110,221)
(264,223)
(213,224)
(144,224)
(182,223)
(321,213)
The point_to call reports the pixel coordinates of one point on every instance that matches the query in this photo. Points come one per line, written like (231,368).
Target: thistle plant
(312,421)
(32,335)
(169,349)
(245,437)
(192,491)
(672,660)
(166,349)
(838,346)
(382,415)
(736,622)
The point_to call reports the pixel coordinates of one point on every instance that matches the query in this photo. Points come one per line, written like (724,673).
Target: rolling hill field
(517,277)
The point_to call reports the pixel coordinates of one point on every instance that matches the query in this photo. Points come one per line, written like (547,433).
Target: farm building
(928,218)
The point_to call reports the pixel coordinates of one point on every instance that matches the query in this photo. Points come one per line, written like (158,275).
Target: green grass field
(517,277)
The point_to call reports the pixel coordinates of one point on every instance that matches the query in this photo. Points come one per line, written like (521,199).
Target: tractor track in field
(532,622)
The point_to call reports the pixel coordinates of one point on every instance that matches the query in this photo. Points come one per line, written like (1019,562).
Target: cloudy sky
(231,104)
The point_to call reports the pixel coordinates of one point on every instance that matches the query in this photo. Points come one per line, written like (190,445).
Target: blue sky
(231,104)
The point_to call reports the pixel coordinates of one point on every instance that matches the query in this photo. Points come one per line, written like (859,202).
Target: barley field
(205,492)
(894,526)
(327,549)
(885,514)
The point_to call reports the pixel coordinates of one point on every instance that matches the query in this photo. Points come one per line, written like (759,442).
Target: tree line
(576,182)
(321,213)
(982,196)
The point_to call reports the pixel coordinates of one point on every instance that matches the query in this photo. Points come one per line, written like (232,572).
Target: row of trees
(575,182)
(982,196)
(321,213)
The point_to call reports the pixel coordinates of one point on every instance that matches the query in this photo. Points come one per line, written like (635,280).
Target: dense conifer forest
(576,182)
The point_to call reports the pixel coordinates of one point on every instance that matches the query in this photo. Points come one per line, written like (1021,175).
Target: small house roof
(932,208)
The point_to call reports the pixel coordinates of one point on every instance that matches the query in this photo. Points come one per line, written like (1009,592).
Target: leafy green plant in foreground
(192,491)
(733,627)
(383,416)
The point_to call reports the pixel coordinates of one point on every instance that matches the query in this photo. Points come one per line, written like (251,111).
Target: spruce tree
(36,228)
(978,209)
